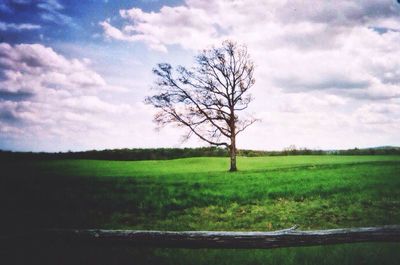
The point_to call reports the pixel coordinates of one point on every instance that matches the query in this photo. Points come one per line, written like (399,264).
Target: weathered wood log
(224,239)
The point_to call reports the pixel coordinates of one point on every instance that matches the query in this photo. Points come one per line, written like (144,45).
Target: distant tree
(290,150)
(206,98)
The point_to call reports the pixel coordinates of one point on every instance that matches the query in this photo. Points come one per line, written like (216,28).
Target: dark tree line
(172,153)
(121,154)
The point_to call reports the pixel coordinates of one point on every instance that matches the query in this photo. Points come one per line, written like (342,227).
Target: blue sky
(73,74)
(65,20)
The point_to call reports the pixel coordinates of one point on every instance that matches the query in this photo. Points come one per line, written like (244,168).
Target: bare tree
(206,98)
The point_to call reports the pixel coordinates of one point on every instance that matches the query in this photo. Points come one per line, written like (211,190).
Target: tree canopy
(207,98)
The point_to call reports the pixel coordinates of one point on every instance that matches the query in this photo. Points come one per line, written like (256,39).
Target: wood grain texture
(212,239)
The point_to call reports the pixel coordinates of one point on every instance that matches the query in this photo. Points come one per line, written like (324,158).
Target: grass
(382,253)
(268,193)
(199,165)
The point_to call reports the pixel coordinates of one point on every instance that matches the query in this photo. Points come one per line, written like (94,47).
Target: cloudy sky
(73,75)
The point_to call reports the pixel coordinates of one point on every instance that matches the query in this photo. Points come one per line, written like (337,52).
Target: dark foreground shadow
(366,253)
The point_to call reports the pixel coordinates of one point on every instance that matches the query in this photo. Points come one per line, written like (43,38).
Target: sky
(74,74)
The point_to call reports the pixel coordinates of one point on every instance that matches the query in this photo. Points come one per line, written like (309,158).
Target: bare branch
(204,98)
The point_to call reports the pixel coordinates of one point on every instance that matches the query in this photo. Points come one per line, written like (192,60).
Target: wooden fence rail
(210,239)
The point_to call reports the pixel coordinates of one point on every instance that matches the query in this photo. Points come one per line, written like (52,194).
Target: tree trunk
(232,147)
(232,152)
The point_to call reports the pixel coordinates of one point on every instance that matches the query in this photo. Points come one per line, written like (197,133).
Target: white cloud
(197,23)
(327,75)
(18,27)
(49,10)
(183,25)
(33,68)
(301,47)
(320,66)
(53,99)
(52,11)
(51,5)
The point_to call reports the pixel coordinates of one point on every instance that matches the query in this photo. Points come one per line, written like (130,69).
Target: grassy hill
(267,193)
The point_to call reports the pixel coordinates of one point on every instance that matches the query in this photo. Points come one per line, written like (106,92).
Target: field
(267,193)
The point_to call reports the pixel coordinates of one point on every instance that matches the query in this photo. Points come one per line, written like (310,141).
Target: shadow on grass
(366,253)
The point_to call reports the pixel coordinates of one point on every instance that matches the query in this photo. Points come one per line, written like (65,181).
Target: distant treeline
(172,153)
(368,151)
(122,154)
(387,150)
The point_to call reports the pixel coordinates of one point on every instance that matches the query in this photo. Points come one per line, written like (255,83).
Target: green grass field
(267,193)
